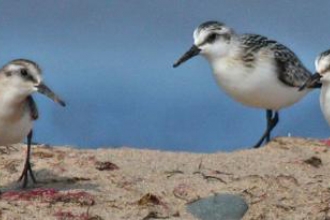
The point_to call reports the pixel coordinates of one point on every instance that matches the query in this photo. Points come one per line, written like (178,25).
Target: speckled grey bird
(19,79)
(250,68)
(322,75)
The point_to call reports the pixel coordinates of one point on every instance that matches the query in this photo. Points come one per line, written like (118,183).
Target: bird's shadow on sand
(47,179)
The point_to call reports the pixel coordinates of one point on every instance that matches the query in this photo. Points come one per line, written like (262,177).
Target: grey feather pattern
(290,70)
(325,53)
(213,25)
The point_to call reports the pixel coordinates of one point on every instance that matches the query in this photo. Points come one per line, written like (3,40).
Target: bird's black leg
(272,121)
(272,124)
(269,117)
(27,166)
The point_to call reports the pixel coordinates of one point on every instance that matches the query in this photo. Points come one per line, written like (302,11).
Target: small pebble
(219,207)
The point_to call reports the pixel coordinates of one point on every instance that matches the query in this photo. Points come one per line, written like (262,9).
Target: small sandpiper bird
(322,75)
(252,69)
(18,80)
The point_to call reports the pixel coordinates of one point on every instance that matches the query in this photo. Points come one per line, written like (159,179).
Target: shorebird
(252,69)
(19,79)
(322,75)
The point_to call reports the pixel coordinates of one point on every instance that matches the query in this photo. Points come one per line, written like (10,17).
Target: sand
(287,179)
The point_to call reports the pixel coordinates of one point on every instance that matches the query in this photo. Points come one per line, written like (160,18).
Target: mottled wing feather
(290,70)
(32,105)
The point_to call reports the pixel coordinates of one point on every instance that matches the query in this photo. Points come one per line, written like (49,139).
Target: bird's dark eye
(8,73)
(24,72)
(212,37)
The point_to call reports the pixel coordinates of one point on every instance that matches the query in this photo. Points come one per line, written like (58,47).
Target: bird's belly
(260,89)
(325,102)
(15,132)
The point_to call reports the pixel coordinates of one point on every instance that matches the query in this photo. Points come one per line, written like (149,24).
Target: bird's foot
(25,173)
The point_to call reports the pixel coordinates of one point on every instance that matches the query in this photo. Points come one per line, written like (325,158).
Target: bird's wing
(290,70)
(32,105)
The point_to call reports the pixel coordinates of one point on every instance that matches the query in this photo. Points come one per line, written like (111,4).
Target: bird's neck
(233,53)
(228,61)
(12,103)
(13,97)
(326,79)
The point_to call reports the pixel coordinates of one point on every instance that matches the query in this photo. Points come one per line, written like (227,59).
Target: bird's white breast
(256,86)
(325,101)
(15,123)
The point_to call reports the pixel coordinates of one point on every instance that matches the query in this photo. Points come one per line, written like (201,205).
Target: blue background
(112,62)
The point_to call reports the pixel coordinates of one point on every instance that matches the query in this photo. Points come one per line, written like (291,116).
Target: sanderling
(252,69)
(18,80)
(322,75)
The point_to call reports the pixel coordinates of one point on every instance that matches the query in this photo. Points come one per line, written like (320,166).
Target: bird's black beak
(43,89)
(311,82)
(193,51)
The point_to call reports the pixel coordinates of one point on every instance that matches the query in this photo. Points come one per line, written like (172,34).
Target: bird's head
(322,75)
(322,66)
(25,77)
(211,39)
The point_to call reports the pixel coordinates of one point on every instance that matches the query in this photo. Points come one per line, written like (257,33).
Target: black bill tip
(193,51)
(175,64)
(312,82)
(61,102)
(43,89)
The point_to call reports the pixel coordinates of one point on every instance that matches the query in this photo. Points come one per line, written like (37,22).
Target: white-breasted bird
(250,68)
(19,79)
(322,75)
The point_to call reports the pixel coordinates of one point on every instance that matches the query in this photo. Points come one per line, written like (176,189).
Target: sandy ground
(287,179)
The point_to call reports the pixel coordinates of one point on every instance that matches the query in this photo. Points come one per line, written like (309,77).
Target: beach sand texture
(287,179)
